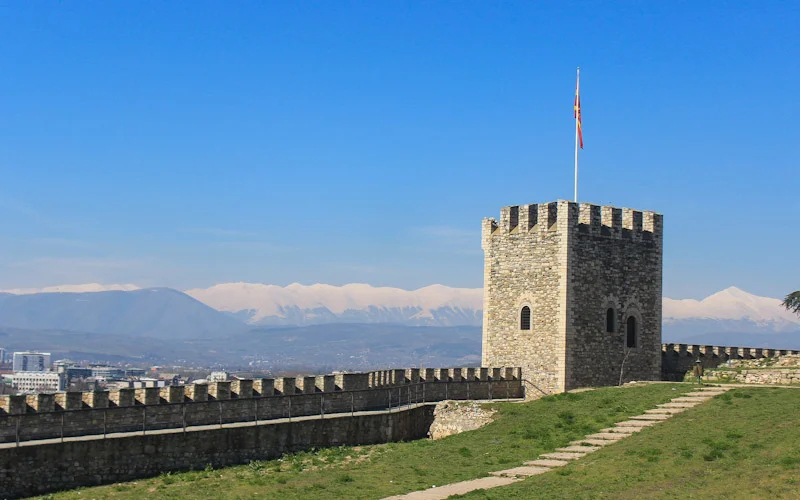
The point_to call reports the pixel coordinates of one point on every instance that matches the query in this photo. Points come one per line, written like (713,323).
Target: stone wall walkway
(575,450)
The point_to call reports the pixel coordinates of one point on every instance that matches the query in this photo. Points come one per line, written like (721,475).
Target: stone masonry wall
(569,263)
(677,359)
(525,265)
(42,468)
(779,376)
(47,416)
(615,262)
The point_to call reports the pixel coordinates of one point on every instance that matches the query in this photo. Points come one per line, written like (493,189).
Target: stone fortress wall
(48,416)
(29,470)
(569,263)
(615,261)
(677,359)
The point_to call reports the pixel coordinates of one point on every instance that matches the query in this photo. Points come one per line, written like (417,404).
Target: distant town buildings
(148,382)
(218,377)
(2,355)
(71,370)
(31,361)
(37,381)
(107,372)
(32,372)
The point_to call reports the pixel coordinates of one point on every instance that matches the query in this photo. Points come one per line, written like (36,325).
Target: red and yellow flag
(578,110)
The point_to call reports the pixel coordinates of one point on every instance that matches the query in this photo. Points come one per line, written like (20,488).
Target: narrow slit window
(631,332)
(611,327)
(525,318)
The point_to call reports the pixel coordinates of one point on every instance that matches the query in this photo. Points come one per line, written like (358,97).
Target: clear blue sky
(190,143)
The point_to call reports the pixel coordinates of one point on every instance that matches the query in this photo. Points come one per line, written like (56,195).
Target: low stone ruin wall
(779,376)
(677,359)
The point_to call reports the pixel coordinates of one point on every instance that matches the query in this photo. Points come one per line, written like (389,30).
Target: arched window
(630,331)
(525,318)
(611,321)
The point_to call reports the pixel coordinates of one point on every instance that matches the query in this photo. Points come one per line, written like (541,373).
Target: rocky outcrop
(455,417)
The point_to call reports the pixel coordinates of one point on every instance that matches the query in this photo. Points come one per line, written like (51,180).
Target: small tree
(622,328)
(792,302)
(627,351)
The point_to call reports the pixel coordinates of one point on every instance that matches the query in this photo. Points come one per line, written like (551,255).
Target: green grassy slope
(519,433)
(744,444)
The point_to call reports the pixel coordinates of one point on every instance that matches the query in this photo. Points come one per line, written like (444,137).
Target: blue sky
(190,143)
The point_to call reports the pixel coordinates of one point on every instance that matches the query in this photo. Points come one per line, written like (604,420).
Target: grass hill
(743,444)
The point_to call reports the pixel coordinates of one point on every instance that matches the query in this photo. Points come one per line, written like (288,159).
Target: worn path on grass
(575,450)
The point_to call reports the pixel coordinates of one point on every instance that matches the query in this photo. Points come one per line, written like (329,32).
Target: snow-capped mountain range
(297,304)
(732,304)
(732,309)
(89,287)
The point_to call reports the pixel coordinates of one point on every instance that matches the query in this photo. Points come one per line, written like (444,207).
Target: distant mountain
(733,304)
(266,305)
(89,287)
(160,313)
(316,348)
(731,317)
(360,346)
(731,310)
(230,310)
(93,347)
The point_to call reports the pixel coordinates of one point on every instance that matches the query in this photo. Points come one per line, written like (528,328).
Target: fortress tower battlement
(604,220)
(570,291)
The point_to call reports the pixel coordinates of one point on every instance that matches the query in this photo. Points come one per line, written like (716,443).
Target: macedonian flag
(578,127)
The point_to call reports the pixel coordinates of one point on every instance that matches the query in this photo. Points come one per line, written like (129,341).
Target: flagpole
(577,91)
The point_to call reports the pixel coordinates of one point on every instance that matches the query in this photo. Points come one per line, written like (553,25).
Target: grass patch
(519,433)
(741,446)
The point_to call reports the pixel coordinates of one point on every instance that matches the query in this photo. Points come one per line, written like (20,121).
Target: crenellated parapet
(537,220)
(67,414)
(209,392)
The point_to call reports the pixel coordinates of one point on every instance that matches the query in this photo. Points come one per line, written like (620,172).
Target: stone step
(622,430)
(678,405)
(664,411)
(650,416)
(595,442)
(704,394)
(464,487)
(636,423)
(547,463)
(608,436)
(521,471)
(690,400)
(562,455)
(578,449)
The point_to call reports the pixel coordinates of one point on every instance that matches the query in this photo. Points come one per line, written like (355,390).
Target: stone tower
(570,291)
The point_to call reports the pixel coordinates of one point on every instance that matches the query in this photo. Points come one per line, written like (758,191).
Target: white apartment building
(218,377)
(38,381)
(31,361)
